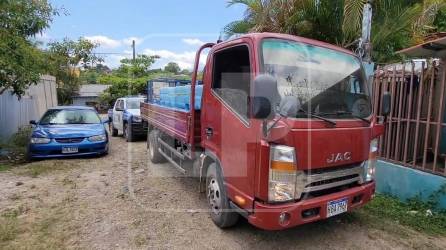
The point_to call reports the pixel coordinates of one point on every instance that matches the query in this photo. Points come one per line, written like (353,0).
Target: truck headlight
(136,118)
(97,138)
(282,174)
(39,140)
(370,164)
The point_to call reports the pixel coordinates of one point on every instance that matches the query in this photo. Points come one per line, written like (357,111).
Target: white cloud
(105,42)
(184,59)
(113,61)
(193,41)
(128,41)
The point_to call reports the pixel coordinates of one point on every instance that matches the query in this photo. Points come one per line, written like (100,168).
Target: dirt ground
(121,201)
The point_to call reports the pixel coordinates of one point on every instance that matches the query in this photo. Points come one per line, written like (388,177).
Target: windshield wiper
(318,117)
(342,112)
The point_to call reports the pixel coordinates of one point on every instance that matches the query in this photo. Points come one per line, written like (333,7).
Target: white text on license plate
(337,207)
(69,150)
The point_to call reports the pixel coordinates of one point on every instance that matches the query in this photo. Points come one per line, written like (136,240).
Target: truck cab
(125,118)
(285,134)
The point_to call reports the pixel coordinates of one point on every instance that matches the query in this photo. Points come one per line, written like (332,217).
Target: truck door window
(232,77)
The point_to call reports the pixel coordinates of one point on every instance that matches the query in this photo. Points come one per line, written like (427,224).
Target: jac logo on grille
(338,157)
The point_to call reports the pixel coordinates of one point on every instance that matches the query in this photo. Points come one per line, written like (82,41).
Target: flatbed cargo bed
(173,121)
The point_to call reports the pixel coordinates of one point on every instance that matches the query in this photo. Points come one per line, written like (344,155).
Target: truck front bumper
(267,216)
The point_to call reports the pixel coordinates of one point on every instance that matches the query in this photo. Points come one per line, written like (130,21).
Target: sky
(172,29)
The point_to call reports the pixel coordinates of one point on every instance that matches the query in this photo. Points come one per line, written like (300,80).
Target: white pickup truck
(125,118)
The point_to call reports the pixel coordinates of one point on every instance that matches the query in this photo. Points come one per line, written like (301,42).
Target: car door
(117,114)
(227,129)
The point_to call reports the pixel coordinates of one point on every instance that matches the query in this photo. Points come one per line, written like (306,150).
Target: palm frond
(238,27)
(352,23)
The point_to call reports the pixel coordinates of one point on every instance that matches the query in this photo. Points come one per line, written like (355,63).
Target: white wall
(15,113)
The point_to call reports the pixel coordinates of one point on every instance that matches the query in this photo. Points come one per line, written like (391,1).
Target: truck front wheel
(221,213)
(153,146)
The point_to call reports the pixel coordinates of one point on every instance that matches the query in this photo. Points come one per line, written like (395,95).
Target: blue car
(68,131)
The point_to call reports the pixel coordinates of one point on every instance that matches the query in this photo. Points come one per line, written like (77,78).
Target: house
(89,94)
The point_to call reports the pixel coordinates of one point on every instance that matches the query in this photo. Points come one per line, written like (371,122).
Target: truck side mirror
(33,122)
(265,97)
(386,104)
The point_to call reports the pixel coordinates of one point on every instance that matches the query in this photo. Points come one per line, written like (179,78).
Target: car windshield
(70,116)
(134,103)
(325,81)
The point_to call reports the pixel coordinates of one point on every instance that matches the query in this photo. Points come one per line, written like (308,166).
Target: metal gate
(415,134)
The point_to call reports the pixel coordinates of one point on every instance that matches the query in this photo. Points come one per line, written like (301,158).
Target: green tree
(395,24)
(91,75)
(139,67)
(65,60)
(172,67)
(21,62)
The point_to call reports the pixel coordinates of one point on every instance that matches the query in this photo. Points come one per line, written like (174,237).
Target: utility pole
(365,45)
(134,51)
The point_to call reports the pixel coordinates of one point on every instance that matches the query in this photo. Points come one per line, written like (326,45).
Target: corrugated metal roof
(92,89)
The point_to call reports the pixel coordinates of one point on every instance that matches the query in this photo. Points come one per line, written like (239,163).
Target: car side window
(232,77)
(119,104)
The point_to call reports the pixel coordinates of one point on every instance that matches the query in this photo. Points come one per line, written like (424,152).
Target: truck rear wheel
(221,213)
(153,146)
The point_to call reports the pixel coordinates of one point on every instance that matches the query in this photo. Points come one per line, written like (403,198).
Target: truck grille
(322,180)
(69,140)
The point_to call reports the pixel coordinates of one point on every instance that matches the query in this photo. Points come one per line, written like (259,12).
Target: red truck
(284,134)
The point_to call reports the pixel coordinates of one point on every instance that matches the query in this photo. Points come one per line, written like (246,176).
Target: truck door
(227,130)
(117,114)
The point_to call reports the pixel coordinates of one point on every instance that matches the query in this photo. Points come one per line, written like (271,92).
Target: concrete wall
(406,183)
(16,113)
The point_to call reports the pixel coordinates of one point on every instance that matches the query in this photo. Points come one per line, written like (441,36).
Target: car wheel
(28,156)
(113,131)
(220,210)
(152,147)
(128,133)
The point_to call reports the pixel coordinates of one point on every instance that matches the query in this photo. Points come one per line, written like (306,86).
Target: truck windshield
(134,103)
(327,83)
(71,116)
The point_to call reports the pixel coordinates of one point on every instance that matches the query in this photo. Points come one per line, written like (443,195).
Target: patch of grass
(8,226)
(13,150)
(4,167)
(50,228)
(44,167)
(383,211)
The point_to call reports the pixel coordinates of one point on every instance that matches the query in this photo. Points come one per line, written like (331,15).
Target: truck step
(170,154)
(182,170)
(171,149)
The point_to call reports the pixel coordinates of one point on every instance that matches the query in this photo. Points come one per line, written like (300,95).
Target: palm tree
(396,23)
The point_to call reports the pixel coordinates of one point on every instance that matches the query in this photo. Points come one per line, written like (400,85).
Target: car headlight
(136,118)
(97,138)
(282,174)
(40,140)
(370,164)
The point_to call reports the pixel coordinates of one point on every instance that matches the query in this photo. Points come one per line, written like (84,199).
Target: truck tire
(113,131)
(152,147)
(218,201)
(128,133)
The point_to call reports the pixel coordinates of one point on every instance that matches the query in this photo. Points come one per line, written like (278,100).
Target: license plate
(69,150)
(337,207)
